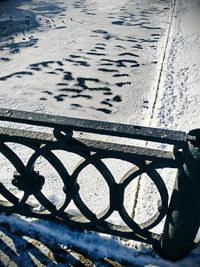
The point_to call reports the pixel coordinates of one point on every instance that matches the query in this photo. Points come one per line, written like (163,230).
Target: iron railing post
(183,217)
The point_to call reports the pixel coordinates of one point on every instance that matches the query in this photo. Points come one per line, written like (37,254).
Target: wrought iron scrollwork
(93,152)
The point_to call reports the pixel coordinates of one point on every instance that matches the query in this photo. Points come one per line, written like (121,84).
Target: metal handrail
(182,217)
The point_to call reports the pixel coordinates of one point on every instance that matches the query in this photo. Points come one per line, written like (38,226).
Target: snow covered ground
(84,58)
(122,61)
(55,243)
(177,102)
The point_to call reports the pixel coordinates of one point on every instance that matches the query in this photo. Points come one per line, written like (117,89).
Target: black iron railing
(182,216)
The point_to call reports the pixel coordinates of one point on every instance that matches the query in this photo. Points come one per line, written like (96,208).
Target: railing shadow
(16,249)
(21,246)
(21,251)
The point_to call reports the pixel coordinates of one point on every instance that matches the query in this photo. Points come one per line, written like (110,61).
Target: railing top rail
(97,127)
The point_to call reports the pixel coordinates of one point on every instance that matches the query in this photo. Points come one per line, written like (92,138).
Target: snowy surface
(122,61)
(95,247)
(177,102)
(84,58)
